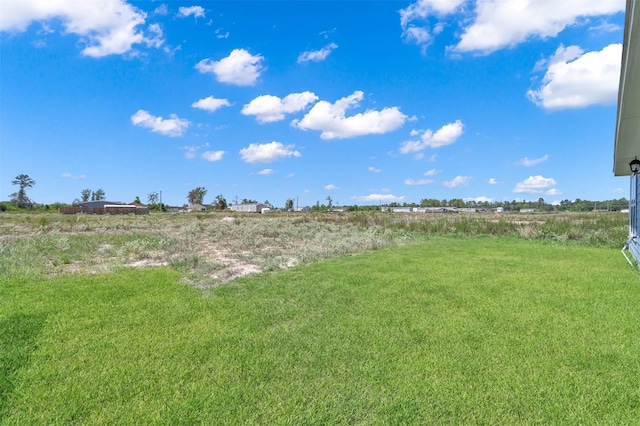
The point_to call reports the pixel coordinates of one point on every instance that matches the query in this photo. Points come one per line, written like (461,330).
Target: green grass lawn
(481,330)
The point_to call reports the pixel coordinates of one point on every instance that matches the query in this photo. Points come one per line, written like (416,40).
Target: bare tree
(152,198)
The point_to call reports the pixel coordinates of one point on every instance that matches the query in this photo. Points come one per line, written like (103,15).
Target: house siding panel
(634,218)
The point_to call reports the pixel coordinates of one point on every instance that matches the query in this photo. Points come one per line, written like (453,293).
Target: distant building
(197,208)
(105,207)
(99,204)
(249,208)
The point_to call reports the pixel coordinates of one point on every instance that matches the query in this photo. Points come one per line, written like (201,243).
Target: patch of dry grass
(207,249)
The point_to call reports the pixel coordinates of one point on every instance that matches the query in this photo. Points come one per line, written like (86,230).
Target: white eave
(627,141)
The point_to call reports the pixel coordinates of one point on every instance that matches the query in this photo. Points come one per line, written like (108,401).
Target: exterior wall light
(635,166)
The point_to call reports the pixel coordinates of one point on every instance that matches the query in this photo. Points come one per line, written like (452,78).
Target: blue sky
(368,102)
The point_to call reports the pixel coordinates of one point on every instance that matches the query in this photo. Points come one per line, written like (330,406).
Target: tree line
(21,200)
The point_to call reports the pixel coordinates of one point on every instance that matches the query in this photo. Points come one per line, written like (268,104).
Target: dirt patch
(147,263)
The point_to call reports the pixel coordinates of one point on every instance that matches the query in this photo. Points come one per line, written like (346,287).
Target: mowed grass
(445,331)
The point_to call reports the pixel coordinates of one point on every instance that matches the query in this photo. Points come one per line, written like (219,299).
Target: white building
(249,208)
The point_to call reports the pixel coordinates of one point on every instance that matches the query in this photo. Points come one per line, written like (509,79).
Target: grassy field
(435,330)
(211,249)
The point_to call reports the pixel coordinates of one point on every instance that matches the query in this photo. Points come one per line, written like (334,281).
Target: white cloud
(605,27)
(317,55)
(378,198)
(446,135)
(213,155)
(618,190)
(220,34)
(268,152)
(414,20)
(478,199)
(432,172)
(457,181)
(373,170)
(331,187)
(195,11)
(156,39)
(107,27)
(266,172)
(534,185)
(504,23)
(493,181)
(528,162)
(289,176)
(553,191)
(210,103)
(490,25)
(191,151)
(163,9)
(330,119)
(239,68)
(326,33)
(172,126)
(575,79)
(70,176)
(412,182)
(268,108)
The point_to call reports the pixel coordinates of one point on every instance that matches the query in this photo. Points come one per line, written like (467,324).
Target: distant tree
(248,201)
(429,202)
(288,205)
(456,202)
(329,202)
(319,208)
(152,198)
(20,198)
(196,196)
(85,194)
(137,200)
(98,195)
(220,203)
(267,203)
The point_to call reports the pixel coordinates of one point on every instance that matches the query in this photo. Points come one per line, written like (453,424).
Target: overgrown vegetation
(209,249)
